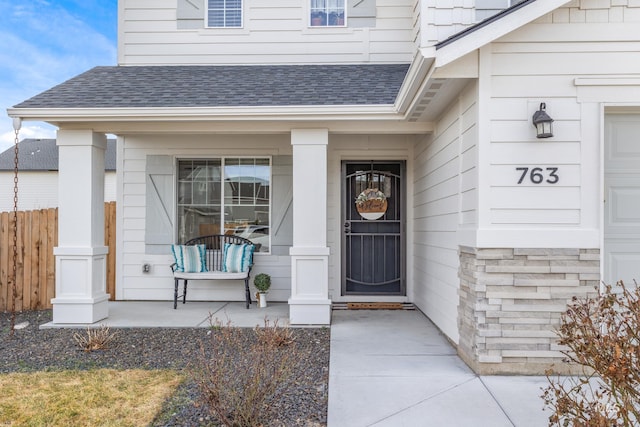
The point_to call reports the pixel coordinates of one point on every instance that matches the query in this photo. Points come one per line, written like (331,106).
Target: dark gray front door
(373,249)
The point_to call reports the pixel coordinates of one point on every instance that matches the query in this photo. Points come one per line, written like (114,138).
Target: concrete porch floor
(193,314)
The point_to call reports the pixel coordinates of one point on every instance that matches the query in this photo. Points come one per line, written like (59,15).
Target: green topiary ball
(262,282)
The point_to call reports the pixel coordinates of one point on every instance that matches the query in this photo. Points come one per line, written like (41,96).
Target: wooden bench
(214,256)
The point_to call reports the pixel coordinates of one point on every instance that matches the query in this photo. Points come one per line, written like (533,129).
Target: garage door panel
(622,149)
(622,198)
(623,205)
(623,261)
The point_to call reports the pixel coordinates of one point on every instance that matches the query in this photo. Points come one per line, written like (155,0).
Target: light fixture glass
(542,122)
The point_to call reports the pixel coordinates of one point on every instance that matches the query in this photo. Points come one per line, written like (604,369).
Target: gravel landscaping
(33,349)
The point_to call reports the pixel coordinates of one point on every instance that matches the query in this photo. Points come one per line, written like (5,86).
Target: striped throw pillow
(189,258)
(237,258)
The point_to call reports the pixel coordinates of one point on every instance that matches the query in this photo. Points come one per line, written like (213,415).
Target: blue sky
(45,42)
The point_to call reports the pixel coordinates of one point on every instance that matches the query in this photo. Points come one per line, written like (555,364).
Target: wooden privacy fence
(36,266)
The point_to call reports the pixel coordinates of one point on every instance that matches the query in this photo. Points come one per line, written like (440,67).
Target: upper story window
(327,13)
(224,13)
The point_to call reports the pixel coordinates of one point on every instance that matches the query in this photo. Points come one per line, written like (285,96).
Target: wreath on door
(371,204)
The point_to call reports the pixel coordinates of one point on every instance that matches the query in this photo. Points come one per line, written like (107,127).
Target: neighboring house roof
(225,86)
(42,155)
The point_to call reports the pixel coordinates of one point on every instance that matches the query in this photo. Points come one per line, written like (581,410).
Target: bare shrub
(602,335)
(95,339)
(273,335)
(241,376)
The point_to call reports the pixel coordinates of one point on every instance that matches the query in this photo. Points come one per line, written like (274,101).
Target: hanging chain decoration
(14,286)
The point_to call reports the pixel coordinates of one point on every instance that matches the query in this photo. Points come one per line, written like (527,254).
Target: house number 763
(539,175)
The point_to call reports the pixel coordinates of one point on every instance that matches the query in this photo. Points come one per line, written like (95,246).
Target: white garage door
(622,198)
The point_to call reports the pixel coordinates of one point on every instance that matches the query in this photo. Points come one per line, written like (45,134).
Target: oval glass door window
(371,204)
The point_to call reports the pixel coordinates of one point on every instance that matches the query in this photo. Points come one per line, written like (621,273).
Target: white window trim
(222,158)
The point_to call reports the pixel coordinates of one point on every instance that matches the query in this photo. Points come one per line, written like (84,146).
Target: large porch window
(225,196)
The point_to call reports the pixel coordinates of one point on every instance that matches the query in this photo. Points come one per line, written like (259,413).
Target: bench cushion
(212,275)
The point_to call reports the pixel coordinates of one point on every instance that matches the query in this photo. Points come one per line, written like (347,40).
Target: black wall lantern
(542,122)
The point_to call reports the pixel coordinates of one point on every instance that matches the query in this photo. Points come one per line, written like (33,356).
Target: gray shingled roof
(225,86)
(42,155)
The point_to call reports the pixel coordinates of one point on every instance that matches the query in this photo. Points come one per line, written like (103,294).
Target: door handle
(347,227)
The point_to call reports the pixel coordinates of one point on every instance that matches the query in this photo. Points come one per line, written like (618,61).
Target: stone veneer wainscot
(510,303)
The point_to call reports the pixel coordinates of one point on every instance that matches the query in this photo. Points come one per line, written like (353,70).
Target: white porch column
(81,254)
(309,303)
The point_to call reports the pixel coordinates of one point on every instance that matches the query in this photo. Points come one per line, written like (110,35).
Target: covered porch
(302,143)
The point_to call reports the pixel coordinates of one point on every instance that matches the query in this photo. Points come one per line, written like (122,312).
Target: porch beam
(213,125)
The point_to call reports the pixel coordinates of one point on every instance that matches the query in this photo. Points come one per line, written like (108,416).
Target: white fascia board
(340,119)
(418,74)
(346,112)
(494,30)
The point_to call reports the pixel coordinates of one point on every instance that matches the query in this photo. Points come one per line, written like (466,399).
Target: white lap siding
(445,199)
(39,190)
(548,61)
(163,32)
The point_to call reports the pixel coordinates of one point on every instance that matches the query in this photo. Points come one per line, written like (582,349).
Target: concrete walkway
(394,368)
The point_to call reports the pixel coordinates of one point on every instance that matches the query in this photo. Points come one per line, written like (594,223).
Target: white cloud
(44,44)
(36,130)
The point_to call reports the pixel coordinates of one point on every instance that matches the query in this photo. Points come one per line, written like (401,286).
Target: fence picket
(52,241)
(4,260)
(20,262)
(34,265)
(110,242)
(43,254)
(25,243)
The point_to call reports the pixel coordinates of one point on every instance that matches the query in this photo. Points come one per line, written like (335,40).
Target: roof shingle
(225,86)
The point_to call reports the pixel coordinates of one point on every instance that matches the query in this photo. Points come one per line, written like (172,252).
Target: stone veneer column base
(510,303)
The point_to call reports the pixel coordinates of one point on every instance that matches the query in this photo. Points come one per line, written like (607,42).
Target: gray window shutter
(282,205)
(190,14)
(361,13)
(160,206)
